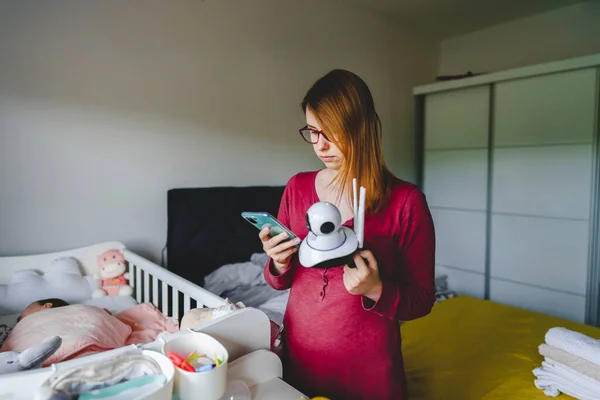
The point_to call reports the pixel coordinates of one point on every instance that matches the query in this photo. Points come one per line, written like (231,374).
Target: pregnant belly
(329,343)
(336,323)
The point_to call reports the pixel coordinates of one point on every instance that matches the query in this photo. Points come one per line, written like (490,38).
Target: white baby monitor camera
(324,219)
(328,243)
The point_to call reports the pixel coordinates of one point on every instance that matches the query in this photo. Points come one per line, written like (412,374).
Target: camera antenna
(354,208)
(359,213)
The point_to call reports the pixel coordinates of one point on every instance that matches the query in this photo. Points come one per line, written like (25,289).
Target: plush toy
(31,358)
(112,269)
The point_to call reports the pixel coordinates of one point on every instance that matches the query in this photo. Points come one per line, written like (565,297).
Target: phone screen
(260,220)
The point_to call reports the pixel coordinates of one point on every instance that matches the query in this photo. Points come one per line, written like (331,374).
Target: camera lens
(252,220)
(327,227)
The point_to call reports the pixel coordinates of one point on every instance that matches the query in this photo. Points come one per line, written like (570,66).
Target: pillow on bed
(84,330)
(61,279)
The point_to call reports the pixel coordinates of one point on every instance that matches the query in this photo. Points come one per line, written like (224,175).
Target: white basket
(206,385)
(166,391)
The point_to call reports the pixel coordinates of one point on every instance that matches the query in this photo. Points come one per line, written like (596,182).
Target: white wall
(563,33)
(104,106)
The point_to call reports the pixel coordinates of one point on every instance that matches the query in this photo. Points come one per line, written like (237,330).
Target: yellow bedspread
(471,349)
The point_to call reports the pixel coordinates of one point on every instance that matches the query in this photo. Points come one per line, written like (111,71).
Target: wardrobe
(509,162)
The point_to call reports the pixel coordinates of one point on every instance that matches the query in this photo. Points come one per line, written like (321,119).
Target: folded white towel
(575,343)
(570,360)
(554,378)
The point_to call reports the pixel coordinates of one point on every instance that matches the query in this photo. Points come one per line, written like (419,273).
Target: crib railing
(170,293)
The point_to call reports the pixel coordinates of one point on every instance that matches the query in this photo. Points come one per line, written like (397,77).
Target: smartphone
(262,219)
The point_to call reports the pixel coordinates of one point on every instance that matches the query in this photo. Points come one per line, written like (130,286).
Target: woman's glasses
(311,135)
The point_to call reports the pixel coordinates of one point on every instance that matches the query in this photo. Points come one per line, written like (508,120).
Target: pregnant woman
(342,337)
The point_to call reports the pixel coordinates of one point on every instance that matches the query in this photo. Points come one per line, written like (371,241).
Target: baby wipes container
(209,384)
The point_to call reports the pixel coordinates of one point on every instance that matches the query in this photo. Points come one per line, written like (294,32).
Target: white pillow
(62,279)
(114,304)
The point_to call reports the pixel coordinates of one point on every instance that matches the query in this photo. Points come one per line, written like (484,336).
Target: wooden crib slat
(186,303)
(175,307)
(165,298)
(138,283)
(146,287)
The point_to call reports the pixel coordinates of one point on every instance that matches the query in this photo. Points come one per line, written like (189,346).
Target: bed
(467,348)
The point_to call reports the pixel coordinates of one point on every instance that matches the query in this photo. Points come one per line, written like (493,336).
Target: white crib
(244,333)
(151,282)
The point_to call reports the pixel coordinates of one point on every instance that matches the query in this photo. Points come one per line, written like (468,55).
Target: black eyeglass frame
(311,131)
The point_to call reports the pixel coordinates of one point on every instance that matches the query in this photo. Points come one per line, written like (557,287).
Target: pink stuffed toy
(113,271)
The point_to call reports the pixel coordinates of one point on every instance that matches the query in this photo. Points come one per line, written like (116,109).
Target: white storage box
(207,385)
(165,392)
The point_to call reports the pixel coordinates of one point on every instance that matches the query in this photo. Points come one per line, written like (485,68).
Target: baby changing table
(245,333)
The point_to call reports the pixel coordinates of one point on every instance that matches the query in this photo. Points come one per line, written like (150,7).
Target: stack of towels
(571,365)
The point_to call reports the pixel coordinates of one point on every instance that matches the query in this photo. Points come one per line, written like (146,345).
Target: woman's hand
(364,279)
(280,253)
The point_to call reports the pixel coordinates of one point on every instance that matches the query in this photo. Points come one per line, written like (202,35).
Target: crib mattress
(472,349)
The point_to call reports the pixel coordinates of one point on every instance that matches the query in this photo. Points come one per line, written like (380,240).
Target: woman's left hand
(364,279)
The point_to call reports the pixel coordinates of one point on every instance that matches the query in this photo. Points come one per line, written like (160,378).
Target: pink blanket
(87,329)
(146,322)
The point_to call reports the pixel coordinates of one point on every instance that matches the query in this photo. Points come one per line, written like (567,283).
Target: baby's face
(33,308)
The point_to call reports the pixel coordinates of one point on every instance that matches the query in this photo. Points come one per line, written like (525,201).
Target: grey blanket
(245,282)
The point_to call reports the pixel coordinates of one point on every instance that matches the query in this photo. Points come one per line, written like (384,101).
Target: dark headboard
(205,229)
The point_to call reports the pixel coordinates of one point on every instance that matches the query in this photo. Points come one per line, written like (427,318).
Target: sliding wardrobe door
(456,126)
(542,160)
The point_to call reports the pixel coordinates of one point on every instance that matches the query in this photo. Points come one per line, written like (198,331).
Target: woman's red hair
(344,107)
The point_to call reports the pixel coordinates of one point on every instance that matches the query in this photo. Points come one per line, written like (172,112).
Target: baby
(36,306)
(41,305)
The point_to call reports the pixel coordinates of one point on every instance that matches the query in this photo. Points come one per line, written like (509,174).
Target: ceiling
(446,18)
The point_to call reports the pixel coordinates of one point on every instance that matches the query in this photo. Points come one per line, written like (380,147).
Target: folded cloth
(575,343)
(576,363)
(135,388)
(554,378)
(104,373)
